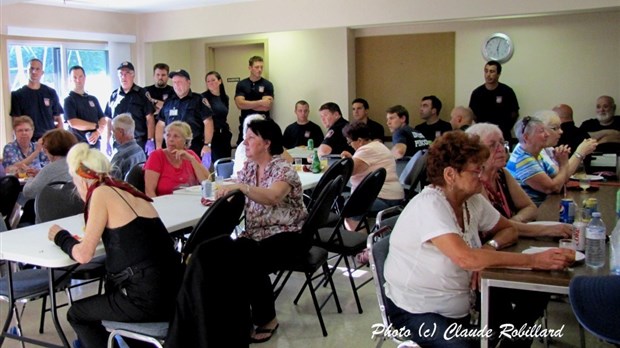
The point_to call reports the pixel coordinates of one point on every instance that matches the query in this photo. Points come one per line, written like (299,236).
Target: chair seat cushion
(314,259)
(353,242)
(152,329)
(31,283)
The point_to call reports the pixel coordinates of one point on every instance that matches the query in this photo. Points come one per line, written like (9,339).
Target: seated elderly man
(129,152)
(605,128)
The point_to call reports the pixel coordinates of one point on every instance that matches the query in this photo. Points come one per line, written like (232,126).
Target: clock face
(498,47)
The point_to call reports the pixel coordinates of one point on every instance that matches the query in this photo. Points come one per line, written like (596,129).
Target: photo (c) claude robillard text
(458,331)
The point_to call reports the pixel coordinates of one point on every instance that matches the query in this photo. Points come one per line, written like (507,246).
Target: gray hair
(545,116)
(484,129)
(125,122)
(526,125)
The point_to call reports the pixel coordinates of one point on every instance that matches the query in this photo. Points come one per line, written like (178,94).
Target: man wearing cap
(254,95)
(37,101)
(160,90)
(132,98)
(187,106)
(82,111)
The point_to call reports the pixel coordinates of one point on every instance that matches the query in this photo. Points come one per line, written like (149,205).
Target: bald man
(605,128)
(571,135)
(461,117)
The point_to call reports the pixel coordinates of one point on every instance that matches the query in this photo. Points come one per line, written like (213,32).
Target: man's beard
(161,84)
(605,117)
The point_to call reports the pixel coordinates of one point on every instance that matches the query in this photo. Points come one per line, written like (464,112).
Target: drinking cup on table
(298,163)
(567,243)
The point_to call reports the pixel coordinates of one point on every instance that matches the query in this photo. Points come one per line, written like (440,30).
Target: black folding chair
(135,176)
(343,167)
(345,243)
(9,191)
(316,258)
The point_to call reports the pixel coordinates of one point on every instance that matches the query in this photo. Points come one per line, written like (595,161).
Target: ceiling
(129,6)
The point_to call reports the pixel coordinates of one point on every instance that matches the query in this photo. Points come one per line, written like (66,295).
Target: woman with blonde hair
(142,265)
(176,165)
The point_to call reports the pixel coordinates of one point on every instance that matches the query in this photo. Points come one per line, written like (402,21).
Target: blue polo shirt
(41,105)
(84,107)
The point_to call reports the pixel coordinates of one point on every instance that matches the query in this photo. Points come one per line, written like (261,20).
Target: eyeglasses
(554,128)
(349,141)
(476,172)
(495,145)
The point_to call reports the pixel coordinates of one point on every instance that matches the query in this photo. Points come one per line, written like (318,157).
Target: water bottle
(595,241)
(614,257)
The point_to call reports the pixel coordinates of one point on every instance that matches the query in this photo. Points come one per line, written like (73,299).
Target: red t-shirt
(170,177)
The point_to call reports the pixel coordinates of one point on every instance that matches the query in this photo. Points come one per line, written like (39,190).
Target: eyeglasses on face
(476,172)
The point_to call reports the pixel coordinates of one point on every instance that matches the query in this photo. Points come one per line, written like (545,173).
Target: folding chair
(414,174)
(387,217)
(9,191)
(135,176)
(223,167)
(343,167)
(316,258)
(345,243)
(378,244)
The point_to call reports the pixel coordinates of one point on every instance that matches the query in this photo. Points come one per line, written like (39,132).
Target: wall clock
(498,47)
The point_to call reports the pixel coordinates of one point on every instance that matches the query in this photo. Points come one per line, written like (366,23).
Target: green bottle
(316,162)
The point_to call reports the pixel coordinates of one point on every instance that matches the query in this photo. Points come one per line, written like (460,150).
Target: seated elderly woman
(503,191)
(552,123)
(23,155)
(435,250)
(274,216)
(175,166)
(526,164)
(142,265)
(56,143)
(369,156)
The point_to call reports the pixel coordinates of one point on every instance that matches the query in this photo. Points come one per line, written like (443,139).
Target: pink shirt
(170,177)
(376,155)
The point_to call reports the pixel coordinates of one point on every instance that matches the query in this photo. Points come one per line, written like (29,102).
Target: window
(57,59)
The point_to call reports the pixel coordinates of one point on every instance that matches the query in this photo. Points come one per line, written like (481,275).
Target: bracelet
(247,192)
(579,156)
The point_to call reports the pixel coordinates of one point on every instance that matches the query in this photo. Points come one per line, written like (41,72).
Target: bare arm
(324,150)
(534,230)
(150,126)
(526,209)
(399,150)
(263,104)
(606,136)
(265,196)
(159,134)
(151,178)
(59,121)
(208,134)
(82,125)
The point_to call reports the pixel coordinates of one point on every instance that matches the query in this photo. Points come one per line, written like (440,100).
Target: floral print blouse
(13,154)
(288,216)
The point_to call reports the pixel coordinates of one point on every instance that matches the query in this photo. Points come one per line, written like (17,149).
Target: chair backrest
(364,195)
(135,176)
(388,217)
(401,164)
(343,167)
(414,173)
(57,200)
(224,167)
(378,244)
(9,191)
(319,214)
(220,219)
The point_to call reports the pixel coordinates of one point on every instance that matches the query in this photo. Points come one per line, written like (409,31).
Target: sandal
(363,257)
(262,330)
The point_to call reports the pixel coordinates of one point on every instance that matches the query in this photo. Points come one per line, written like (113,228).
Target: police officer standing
(82,111)
(132,98)
(37,101)
(159,91)
(189,107)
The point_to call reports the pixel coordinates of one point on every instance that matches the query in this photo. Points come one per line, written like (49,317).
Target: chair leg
(42,320)
(18,324)
(353,287)
(331,283)
(316,304)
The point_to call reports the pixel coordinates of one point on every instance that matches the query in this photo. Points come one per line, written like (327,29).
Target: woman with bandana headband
(141,263)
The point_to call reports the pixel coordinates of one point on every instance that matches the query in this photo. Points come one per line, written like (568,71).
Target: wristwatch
(493,243)
(207,144)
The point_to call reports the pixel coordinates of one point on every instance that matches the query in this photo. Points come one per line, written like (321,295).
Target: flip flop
(262,330)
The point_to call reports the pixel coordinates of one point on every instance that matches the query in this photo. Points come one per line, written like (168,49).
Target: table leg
(53,310)
(484,310)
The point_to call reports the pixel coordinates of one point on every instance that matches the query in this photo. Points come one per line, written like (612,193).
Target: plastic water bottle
(614,257)
(595,241)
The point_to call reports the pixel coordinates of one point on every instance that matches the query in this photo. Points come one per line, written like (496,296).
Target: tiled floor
(299,326)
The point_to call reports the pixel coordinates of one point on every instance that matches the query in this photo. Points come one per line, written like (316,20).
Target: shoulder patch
(329,133)
(206,102)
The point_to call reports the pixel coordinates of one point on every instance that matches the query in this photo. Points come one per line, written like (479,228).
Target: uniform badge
(498,99)
(307,134)
(46,101)
(261,89)
(91,103)
(174,112)
(206,102)
(165,96)
(329,133)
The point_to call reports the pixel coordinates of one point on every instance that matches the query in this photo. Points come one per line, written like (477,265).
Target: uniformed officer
(82,111)
(37,101)
(253,95)
(189,107)
(159,91)
(132,98)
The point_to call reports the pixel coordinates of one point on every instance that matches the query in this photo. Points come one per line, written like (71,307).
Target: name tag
(174,112)
(91,103)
